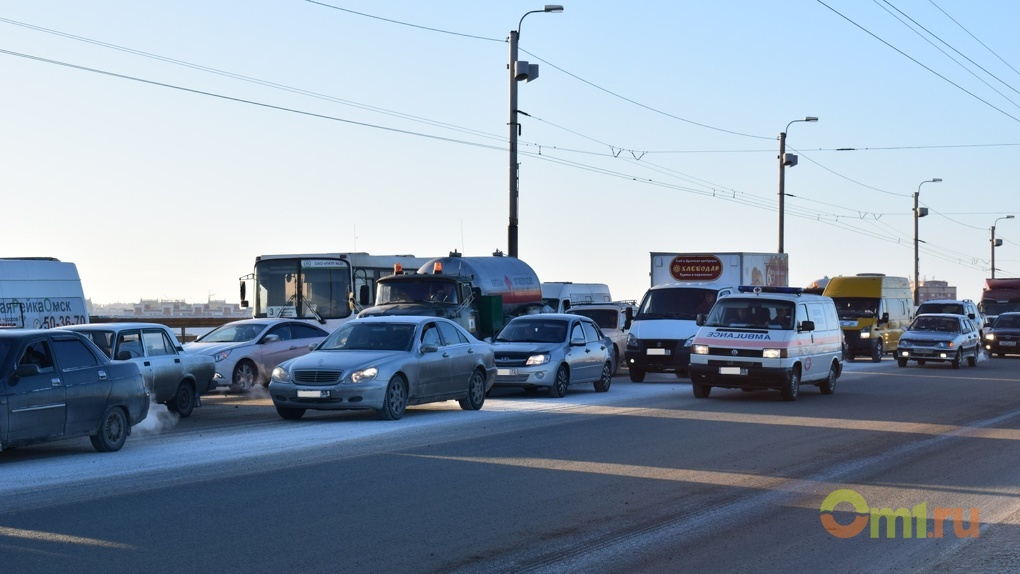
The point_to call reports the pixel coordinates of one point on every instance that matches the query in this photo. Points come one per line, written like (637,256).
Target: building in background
(935,289)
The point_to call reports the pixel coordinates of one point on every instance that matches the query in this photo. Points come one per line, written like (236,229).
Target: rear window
(951,308)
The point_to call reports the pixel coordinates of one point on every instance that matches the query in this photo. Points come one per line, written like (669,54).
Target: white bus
(40,293)
(321,287)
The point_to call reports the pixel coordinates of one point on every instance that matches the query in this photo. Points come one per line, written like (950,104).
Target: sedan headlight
(945,344)
(699,349)
(364,375)
(281,375)
(537,360)
(989,336)
(221,355)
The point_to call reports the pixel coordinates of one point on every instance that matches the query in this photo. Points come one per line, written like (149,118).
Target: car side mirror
(312,346)
(27,370)
(807,325)
(884,318)
(577,342)
(628,318)
(429,348)
(272,338)
(124,356)
(700,320)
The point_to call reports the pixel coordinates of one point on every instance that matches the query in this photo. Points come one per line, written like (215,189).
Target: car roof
(398,318)
(948,315)
(115,326)
(558,316)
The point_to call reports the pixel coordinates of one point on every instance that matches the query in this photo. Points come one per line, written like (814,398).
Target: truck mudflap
(740,377)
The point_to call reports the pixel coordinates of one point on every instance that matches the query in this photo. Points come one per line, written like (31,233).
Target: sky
(162,146)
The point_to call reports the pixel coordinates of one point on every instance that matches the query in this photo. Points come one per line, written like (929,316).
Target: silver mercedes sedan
(386,363)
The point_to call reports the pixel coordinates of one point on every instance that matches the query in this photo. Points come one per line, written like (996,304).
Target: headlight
(865,334)
(773,353)
(220,356)
(281,375)
(689,341)
(364,375)
(537,360)
(945,344)
(699,349)
(631,340)
(989,336)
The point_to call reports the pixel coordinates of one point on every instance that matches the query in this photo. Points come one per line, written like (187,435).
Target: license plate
(657,351)
(505,372)
(732,371)
(1008,343)
(313,394)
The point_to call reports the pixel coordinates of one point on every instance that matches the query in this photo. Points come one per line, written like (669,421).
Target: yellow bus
(873,311)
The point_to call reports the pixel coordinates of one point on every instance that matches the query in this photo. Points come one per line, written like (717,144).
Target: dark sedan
(1002,337)
(56,384)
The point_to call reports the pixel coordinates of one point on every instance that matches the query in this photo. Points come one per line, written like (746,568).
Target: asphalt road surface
(644,478)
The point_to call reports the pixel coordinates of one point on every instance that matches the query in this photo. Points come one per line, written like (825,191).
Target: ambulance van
(768,338)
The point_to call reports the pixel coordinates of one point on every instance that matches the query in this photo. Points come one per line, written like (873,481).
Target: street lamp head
(1009,217)
(811,119)
(936,180)
(553,8)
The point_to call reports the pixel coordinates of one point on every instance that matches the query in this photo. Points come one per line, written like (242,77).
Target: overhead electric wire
(976,39)
(912,59)
(957,62)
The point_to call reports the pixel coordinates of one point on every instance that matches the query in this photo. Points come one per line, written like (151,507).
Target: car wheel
(636,375)
(602,385)
(876,356)
(972,360)
(113,431)
(475,393)
(559,387)
(701,391)
(792,388)
(290,413)
(957,359)
(828,386)
(395,400)
(183,401)
(901,362)
(244,376)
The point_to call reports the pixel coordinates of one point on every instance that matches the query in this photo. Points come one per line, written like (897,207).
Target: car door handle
(177,360)
(446,355)
(146,363)
(55,382)
(294,347)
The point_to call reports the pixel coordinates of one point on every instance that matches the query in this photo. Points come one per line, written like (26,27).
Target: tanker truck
(479,293)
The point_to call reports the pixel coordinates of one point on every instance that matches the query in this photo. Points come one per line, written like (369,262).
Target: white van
(40,293)
(768,338)
(560,296)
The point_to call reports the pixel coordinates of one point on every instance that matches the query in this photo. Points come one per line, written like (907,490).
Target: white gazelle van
(768,338)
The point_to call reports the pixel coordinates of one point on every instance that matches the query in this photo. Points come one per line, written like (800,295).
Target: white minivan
(768,338)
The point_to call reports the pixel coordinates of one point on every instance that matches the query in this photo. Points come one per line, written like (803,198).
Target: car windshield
(757,313)
(1007,322)
(533,331)
(231,333)
(929,307)
(604,318)
(856,307)
(943,324)
(684,303)
(370,336)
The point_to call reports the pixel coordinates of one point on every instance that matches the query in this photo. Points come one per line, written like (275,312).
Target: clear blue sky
(653,127)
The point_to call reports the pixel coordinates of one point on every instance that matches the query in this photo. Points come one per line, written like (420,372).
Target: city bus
(328,288)
(40,293)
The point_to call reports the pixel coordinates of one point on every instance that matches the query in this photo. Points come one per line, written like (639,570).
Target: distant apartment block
(934,289)
(163,308)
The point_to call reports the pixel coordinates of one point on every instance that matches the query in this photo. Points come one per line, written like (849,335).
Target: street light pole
(917,260)
(785,161)
(518,71)
(994,244)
